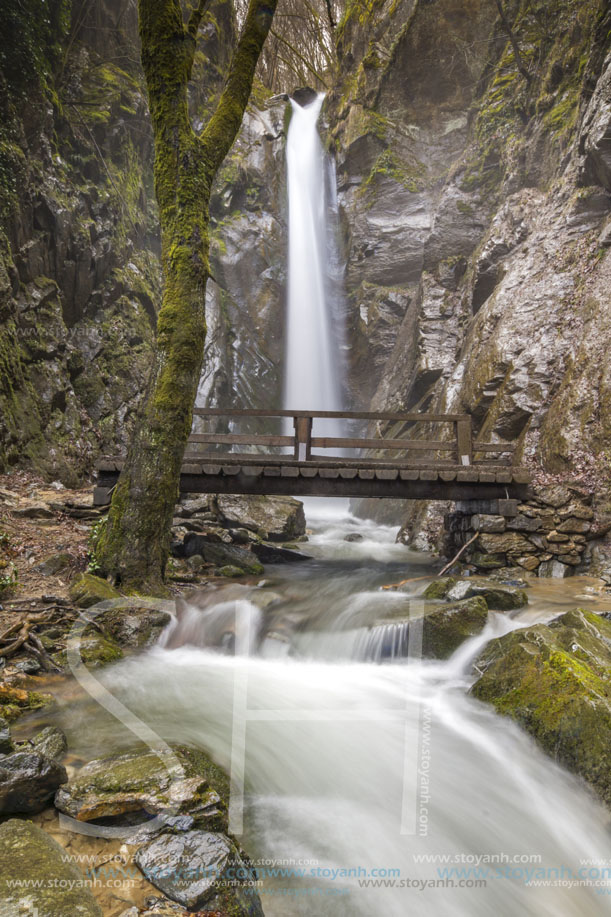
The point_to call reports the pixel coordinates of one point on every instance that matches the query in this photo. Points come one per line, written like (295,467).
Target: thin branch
(222,128)
(303,60)
(191,31)
(514,43)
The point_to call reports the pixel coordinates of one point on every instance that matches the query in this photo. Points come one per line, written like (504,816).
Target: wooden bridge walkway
(454,467)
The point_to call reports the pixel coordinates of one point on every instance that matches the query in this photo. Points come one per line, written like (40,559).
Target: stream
(357,771)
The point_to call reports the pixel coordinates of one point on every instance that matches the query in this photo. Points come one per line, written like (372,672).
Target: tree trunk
(134,545)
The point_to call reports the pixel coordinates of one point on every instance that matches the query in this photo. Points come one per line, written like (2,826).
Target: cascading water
(313,360)
(355,766)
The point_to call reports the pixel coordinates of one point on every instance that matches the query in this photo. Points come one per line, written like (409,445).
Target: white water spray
(313,364)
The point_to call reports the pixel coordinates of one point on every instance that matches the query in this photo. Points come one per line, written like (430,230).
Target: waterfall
(313,361)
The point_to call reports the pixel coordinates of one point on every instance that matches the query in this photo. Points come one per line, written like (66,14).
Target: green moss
(554,681)
(409,175)
(439,588)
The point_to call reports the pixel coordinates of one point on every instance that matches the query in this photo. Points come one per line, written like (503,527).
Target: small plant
(93,565)
(8,579)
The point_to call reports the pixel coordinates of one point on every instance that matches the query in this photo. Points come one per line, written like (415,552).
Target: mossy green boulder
(498,597)
(49,885)
(554,680)
(444,626)
(447,626)
(87,590)
(180,781)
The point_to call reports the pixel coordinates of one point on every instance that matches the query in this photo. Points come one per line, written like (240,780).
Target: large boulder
(553,679)
(444,628)
(143,783)
(200,869)
(87,590)
(49,886)
(222,554)
(133,625)
(28,781)
(273,518)
(499,597)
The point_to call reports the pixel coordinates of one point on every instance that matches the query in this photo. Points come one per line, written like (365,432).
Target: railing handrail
(340,415)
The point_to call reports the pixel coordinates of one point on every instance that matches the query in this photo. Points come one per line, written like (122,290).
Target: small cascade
(313,373)
(383,643)
(233,628)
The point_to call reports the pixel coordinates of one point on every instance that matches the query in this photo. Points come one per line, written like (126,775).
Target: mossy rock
(144,782)
(439,588)
(136,626)
(95,650)
(53,886)
(445,626)
(87,590)
(230,570)
(553,679)
(498,597)
(14,702)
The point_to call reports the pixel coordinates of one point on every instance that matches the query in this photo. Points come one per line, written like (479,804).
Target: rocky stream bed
(117,788)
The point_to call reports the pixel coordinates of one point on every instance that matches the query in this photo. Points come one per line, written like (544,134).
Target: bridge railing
(460,448)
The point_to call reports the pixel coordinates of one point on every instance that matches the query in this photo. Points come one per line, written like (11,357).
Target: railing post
(464,441)
(303,438)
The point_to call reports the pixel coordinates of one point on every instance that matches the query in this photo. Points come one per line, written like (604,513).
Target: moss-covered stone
(49,885)
(14,702)
(87,590)
(438,589)
(447,626)
(554,680)
(184,780)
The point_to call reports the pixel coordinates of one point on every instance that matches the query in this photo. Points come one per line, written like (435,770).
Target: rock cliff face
(79,278)
(476,202)
(79,269)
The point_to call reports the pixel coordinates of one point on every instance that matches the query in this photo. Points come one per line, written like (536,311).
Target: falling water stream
(358,766)
(313,365)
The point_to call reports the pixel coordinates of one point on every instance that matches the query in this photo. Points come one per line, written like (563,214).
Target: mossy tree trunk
(134,546)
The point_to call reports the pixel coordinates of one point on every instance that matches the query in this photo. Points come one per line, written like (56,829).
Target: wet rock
(444,626)
(447,626)
(554,568)
(6,744)
(182,781)
(136,626)
(28,781)
(229,570)
(498,598)
(274,554)
(51,743)
(222,555)
(554,681)
(274,518)
(304,96)
(94,649)
(438,589)
(191,868)
(51,887)
(353,537)
(16,701)
(87,590)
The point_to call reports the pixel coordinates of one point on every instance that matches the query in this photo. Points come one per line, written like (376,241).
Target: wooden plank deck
(466,470)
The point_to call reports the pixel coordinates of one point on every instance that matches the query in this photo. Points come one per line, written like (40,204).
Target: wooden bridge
(451,467)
